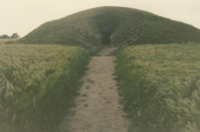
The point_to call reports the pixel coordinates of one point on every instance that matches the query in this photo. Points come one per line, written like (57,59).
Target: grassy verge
(160,86)
(37,85)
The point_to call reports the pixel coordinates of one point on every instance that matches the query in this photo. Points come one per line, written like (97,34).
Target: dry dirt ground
(97,107)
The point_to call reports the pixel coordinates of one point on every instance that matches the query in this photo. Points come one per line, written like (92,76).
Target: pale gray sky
(22,16)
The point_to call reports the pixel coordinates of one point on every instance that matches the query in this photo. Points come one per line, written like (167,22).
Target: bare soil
(98,109)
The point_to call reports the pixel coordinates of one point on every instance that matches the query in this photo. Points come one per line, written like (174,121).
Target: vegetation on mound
(38,85)
(129,26)
(160,86)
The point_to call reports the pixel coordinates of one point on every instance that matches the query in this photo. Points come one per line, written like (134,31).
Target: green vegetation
(131,26)
(38,85)
(161,30)
(8,41)
(160,86)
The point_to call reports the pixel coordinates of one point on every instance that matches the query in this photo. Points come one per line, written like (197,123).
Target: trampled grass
(37,85)
(160,85)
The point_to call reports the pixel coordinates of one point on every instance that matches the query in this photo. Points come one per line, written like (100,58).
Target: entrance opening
(106,32)
(106,37)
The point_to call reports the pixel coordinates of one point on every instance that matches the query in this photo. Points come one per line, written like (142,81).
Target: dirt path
(97,107)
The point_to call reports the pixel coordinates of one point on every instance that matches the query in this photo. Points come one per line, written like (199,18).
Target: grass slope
(131,26)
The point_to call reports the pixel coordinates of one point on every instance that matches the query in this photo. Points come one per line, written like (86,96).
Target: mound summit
(112,25)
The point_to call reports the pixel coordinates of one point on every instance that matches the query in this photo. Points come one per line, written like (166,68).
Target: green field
(157,70)
(9,40)
(38,84)
(160,86)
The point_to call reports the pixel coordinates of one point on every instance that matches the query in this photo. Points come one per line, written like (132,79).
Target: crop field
(37,85)
(160,86)
(10,40)
(158,64)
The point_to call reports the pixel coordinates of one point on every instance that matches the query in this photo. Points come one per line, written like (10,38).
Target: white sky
(22,16)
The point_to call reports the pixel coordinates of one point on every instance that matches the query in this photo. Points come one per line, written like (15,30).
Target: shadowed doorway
(106,37)
(106,33)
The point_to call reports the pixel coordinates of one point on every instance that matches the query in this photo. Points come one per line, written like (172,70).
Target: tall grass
(160,86)
(37,85)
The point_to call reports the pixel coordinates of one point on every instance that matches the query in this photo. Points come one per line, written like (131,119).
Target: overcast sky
(22,16)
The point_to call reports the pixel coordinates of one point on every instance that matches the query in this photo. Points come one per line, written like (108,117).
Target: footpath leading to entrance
(97,107)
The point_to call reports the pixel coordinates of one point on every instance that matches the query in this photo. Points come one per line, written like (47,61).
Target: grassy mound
(130,26)
(160,86)
(38,85)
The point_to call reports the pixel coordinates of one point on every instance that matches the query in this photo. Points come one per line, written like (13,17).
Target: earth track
(97,107)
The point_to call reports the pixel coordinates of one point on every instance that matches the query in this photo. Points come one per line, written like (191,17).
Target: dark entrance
(106,37)
(106,32)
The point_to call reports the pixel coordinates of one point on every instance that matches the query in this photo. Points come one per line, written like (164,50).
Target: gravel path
(97,107)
